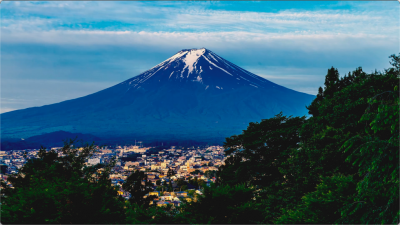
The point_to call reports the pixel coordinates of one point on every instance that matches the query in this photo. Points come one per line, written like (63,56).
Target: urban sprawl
(176,174)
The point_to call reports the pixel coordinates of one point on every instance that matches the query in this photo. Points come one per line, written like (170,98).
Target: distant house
(162,203)
(151,176)
(181,193)
(95,161)
(212,168)
(156,193)
(167,198)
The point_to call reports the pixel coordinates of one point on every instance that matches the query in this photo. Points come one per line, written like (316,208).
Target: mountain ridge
(195,94)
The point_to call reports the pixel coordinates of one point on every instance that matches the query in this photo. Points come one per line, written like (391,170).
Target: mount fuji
(193,95)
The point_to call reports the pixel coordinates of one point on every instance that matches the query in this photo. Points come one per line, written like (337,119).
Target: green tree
(3,168)
(194,181)
(376,152)
(289,167)
(342,139)
(61,189)
(210,174)
(191,193)
(335,119)
(138,214)
(321,205)
(260,157)
(254,157)
(222,204)
(180,182)
(196,172)
(170,173)
(138,185)
(170,188)
(201,183)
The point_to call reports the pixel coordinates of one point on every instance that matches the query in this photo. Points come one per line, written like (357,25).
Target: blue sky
(54,51)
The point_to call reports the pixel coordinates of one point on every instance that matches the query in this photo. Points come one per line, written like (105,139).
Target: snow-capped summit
(193,95)
(203,66)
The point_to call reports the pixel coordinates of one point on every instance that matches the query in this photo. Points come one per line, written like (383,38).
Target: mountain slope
(52,139)
(195,95)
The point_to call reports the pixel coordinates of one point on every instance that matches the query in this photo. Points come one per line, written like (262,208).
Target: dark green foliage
(321,206)
(261,156)
(334,121)
(210,174)
(138,214)
(259,151)
(376,152)
(339,166)
(353,132)
(197,183)
(137,185)
(159,188)
(180,182)
(170,188)
(3,168)
(222,204)
(170,173)
(196,172)
(61,189)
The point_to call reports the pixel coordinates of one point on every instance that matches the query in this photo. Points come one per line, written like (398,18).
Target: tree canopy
(138,185)
(55,188)
(338,166)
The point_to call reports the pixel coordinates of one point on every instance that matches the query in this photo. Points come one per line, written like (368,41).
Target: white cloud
(196,18)
(309,42)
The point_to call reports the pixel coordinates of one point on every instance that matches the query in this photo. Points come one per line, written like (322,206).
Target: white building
(95,161)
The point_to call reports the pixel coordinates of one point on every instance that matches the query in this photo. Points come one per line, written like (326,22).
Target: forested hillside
(339,166)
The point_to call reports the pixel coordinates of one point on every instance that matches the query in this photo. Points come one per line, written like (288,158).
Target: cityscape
(191,168)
